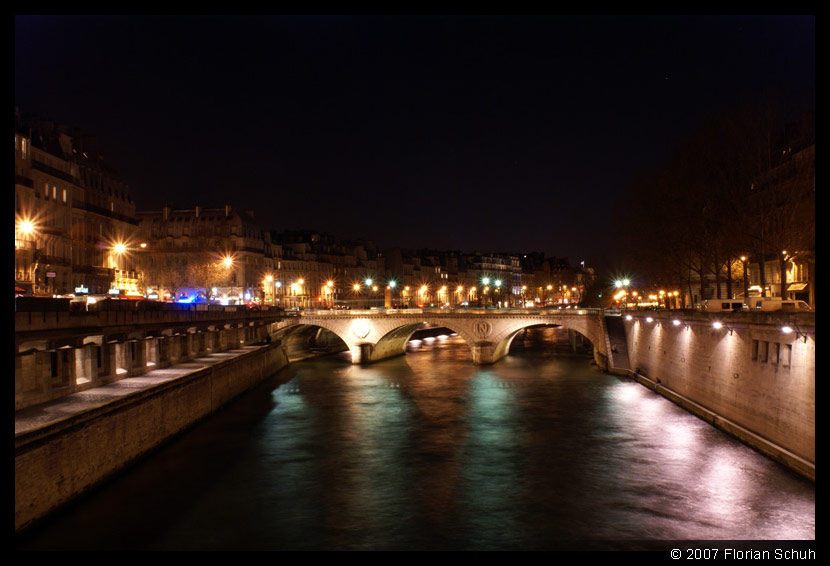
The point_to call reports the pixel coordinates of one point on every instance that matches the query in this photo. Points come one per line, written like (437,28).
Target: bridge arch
(302,341)
(372,337)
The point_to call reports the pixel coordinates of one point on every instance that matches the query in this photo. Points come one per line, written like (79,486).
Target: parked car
(768,304)
(723,305)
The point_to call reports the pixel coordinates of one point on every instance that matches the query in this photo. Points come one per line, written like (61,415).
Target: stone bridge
(374,335)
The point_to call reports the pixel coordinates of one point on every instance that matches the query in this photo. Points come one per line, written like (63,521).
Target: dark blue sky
(496,133)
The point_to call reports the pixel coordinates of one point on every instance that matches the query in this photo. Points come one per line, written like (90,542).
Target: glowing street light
(26,226)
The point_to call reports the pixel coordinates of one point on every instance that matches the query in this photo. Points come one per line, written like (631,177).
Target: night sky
(489,133)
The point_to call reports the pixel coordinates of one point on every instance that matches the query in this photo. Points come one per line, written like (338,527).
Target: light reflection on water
(428,451)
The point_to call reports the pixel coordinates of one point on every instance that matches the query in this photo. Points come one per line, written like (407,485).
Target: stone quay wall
(58,462)
(749,376)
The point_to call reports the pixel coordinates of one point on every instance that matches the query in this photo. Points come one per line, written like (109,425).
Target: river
(428,451)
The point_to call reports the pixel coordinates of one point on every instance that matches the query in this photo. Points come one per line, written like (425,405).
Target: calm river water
(428,451)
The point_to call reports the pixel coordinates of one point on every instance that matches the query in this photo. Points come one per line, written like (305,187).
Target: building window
(45,190)
(754,350)
(786,355)
(774,353)
(64,195)
(54,192)
(764,353)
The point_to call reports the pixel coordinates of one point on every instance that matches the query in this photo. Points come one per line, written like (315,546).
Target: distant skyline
(489,133)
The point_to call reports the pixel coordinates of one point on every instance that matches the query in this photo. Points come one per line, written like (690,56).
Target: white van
(768,304)
(723,305)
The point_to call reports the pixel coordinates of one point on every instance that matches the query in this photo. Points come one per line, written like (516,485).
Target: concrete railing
(42,321)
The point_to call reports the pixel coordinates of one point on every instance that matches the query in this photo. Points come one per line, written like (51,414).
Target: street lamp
(623,284)
(268,288)
(26,226)
(391,285)
(746,279)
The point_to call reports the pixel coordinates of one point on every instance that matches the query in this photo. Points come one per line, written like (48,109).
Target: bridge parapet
(448,311)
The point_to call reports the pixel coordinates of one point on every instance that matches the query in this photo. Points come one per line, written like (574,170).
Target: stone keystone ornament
(361,328)
(482,328)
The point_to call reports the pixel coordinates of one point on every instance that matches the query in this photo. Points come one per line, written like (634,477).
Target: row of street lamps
(718,325)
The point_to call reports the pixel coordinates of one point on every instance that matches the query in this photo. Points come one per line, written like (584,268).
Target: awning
(797,286)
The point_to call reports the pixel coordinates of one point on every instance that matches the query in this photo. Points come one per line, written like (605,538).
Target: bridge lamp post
(623,284)
(118,251)
(268,288)
(329,289)
(356,293)
(497,283)
(392,284)
(368,284)
(301,291)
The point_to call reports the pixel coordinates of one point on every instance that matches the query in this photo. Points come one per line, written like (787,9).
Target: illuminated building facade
(74,216)
(202,253)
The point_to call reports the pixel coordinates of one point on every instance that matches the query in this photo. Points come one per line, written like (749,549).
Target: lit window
(64,195)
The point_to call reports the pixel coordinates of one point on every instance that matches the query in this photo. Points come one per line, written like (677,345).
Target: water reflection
(428,451)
